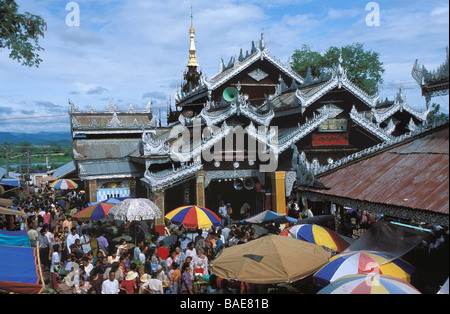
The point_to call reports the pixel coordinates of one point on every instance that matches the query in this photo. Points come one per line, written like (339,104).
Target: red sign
(330,139)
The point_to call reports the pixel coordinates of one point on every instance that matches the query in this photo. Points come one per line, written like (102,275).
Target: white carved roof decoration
(236,66)
(111,108)
(202,88)
(306,128)
(165,178)
(115,122)
(152,146)
(201,146)
(338,79)
(363,121)
(419,129)
(75,123)
(399,104)
(73,108)
(238,107)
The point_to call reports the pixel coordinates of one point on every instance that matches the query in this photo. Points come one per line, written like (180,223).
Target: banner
(330,139)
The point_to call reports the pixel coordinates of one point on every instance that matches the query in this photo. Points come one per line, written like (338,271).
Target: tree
(20,32)
(306,58)
(364,67)
(435,115)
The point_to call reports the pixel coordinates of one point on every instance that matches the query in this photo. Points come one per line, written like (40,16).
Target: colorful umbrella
(322,236)
(94,212)
(369,284)
(135,209)
(64,184)
(270,259)
(116,200)
(269,216)
(193,216)
(363,262)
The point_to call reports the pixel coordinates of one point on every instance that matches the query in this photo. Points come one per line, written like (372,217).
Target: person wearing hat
(129,285)
(152,285)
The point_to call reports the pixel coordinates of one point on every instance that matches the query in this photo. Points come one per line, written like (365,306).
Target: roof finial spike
(192,50)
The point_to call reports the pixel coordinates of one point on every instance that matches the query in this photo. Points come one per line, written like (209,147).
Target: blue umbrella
(269,216)
(116,200)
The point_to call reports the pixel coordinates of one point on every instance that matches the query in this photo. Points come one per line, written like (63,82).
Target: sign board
(330,139)
(334,125)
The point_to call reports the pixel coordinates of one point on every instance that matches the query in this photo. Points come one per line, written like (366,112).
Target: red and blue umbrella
(94,212)
(316,234)
(193,217)
(369,284)
(64,184)
(363,262)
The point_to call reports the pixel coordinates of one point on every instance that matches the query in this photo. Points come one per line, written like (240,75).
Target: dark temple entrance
(224,190)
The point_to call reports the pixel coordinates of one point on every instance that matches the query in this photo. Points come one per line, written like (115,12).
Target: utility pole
(28,175)
(7,158)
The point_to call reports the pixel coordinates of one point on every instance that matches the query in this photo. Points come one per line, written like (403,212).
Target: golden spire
(192,50)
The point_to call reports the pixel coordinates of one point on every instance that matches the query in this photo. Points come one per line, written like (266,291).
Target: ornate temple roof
(387,179)
(234,67)
(111,119)
(338,80)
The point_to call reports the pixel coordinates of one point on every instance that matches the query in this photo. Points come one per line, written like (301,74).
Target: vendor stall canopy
(14,238)
(19,270)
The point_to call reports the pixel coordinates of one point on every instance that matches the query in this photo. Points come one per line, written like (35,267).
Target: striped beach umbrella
(94,212)
(64,184)
(363,262)
(316,234)
(193,217)
(369,284)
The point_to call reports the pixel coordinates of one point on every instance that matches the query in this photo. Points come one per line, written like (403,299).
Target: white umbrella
(135,209)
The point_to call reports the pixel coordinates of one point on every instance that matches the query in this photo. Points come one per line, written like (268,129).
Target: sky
(136,51)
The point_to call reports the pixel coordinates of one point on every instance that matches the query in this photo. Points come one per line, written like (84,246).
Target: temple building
(235,136)
(434,83)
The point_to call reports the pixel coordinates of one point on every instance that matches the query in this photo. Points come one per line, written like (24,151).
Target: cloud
(97,90)
(5,110)
(78,36)
(137,50)
(27,112)
(155,95)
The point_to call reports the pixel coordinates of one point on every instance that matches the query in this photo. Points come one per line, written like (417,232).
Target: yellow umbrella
(270,259)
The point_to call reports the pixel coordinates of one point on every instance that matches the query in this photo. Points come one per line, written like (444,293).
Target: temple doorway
(226,191)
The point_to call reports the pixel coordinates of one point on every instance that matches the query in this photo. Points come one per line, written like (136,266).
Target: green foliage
(138,264)
(435,114)
(20,32)
(363,67)
(306,58)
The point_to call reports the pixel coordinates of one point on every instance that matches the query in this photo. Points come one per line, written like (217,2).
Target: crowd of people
(79,259)
(85,262)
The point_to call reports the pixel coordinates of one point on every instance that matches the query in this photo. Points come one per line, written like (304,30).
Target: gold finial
(192,50)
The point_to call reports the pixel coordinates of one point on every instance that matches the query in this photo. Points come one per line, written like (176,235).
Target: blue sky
(136,51)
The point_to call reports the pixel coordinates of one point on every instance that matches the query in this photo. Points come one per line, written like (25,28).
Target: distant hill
(60,138)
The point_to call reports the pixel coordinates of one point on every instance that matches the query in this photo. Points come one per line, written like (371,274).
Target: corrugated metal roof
(64,170)
(2,173)
(414,175)
(109,168)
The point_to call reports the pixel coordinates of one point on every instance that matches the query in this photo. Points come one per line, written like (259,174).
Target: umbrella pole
(39,267)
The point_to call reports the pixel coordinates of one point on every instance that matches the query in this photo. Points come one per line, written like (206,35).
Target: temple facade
(235,136)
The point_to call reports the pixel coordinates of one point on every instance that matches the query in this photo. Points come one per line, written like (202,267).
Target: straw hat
(145,277)
(131,276)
